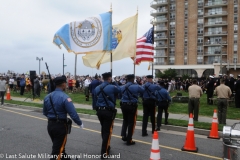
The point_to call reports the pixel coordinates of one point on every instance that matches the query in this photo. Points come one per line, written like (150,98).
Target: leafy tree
(185,76)
(169,73)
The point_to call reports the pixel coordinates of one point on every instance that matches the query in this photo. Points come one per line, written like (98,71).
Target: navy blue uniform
(163,100)
(57,129)
(149,105)
(105,96)
(92,87)
(129,100)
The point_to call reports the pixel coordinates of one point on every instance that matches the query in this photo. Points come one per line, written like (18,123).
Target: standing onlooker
(210,89)
(223,93)
(231,82)
(22,84)
(11,81)
(195,92)
(36,87)
(70,84)
(237,93)
(2,89)
(86,85)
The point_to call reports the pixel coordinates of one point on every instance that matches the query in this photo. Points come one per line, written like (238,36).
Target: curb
(118,120)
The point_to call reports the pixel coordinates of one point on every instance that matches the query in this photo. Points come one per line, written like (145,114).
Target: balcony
(216,14)
(158,20)
(158,12)
(216,33)
(159,38)
(215,4)
(219,23)
(215,43)
(158,3)
(157,29)
(216,53)
(159,63)
(160,56)
(200,53)
(161,46)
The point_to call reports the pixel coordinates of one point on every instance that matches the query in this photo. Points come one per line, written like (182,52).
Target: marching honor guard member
(104,95)
(163,100)
(149,104)
(223,93)
(129,104)
(56,107)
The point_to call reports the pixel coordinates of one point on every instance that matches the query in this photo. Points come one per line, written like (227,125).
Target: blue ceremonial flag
(89,35)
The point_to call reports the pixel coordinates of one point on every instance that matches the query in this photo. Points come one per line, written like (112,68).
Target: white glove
(81,126)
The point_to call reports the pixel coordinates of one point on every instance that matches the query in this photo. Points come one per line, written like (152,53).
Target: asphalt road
(24,133)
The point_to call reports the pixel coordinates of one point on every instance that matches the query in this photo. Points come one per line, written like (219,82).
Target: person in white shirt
(11,81)
(86,86)
(2,89)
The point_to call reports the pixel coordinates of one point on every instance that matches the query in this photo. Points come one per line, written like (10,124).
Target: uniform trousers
(162,106)
(209,95)
(86,91)
(129,121)
(2,93)
(237,99)
(106,118)
(58,134)
(22,90)
(93,102)
(193,107)
(149,109)
(222,110)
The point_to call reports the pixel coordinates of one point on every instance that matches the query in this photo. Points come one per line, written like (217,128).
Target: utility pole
(39,59)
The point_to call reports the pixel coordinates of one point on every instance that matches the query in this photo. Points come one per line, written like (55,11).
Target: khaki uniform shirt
(223,91)
(195,91)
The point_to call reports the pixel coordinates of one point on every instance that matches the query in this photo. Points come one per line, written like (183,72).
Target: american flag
(145,48)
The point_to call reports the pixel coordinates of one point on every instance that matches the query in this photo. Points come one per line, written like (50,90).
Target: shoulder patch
(69,99)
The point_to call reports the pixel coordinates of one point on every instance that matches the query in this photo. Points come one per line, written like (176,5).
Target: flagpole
(134,63)
(75,68)
(111,44)
(153,46)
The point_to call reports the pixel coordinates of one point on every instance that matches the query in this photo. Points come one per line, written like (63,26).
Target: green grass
(174,122)
(177,108)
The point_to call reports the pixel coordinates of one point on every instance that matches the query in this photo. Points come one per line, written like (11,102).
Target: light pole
(39,59)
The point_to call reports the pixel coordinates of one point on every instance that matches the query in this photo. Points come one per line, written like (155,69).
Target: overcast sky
(28,26)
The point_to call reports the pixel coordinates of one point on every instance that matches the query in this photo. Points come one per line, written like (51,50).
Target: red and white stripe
(144,51)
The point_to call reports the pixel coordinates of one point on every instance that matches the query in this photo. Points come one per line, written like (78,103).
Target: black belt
(222,98)
(129,103)
(59,120)
(194,98)
(105,108)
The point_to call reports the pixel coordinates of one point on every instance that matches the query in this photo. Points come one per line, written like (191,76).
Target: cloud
(27,29)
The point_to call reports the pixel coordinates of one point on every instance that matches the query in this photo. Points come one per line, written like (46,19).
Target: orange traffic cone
(214,129)
(155,151)
(8,95)
(190,139)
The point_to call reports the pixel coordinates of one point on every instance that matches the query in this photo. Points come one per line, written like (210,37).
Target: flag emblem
(69,100)
(87,33)
(116,37)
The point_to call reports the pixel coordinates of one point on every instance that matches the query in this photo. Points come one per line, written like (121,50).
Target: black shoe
(158,129)
(166,123)
(144,135)
(124,139)
(131,143)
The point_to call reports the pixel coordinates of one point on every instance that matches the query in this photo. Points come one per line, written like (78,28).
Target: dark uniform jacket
(62,104)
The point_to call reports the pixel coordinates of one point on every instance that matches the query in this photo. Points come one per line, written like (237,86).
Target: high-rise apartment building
(197,37)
